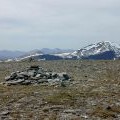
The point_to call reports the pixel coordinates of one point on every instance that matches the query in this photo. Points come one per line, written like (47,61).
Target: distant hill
(55,51)
(6,54)
(100,51)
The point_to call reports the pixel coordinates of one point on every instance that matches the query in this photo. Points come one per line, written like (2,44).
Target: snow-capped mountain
(102,50)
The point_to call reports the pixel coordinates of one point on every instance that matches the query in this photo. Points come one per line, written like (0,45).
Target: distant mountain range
(55,50)
(6,54)
(100,51)
(45,54)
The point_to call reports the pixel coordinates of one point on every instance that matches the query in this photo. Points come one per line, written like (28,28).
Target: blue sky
(36,24)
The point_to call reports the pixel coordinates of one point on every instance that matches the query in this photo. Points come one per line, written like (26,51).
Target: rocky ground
(93,93)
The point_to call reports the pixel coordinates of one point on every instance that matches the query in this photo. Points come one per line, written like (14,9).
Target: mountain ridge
(103,50)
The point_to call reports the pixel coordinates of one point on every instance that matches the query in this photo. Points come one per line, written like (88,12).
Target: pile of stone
(35,75)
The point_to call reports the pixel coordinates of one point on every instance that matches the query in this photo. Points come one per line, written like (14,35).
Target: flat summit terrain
(93,92)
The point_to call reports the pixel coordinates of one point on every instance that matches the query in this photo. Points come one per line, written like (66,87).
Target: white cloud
(63,20)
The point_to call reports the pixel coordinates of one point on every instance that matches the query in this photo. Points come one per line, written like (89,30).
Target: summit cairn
(35,75)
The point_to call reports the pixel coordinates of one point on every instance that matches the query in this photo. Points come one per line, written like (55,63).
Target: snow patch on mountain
(98,48)
(30,54)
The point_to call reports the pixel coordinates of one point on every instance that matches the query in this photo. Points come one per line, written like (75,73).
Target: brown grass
(95,82)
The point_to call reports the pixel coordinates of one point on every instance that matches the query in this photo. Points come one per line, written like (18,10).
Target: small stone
(25,74)
(7,78)
(109,108)
(38,75)
(43,81)
(2,83)
(54,75)
(34,67)
(32,73)
(13,75)
(20,76)
(5,113)
(43,75)
(84,116)
(63,84)
(15,82)
(70,111)
(54,80)
(26,82)
(40,71)
(63,76)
